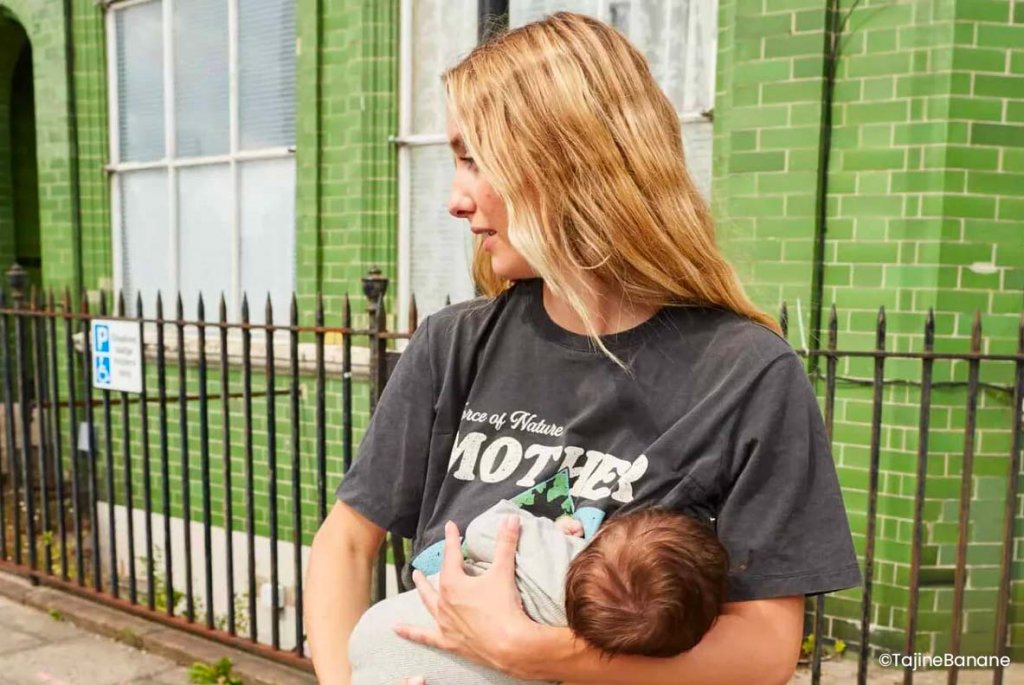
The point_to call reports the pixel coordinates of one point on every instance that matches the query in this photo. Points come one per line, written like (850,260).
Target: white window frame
(171,163)
(405,139)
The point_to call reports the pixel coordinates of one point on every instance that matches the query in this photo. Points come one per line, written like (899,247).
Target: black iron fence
(93,481)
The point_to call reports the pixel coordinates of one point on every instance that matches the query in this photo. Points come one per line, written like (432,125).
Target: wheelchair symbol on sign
(101,370)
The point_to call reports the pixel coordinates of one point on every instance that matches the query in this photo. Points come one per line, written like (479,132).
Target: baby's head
(651,582)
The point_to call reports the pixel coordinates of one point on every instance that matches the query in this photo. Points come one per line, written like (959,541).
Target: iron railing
(68,505)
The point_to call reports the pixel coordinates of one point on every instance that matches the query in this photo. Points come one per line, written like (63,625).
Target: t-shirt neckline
(550,330)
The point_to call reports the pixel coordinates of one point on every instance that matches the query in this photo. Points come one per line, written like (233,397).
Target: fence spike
(784,320)
(200,308)
(159,305)
(180,307)
(833,327)
(269,309)
(138,305)
(346,313)
(50,301)
(320,310)
(245,307)
(67,299)
(120,302)
(84,302)
(929,330)
(976,332)
(880,331)
(414,315)
(447,300)
(103,302)
(293,310)
(222,308)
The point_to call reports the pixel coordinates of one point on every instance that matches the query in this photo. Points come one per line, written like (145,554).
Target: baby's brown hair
(652,582)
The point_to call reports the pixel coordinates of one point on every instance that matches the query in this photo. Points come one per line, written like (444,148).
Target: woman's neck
(612,314)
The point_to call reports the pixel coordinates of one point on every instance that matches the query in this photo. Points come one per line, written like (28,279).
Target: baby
(650,582)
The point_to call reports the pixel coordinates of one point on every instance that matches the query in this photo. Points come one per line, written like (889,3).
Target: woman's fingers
(451,565)
(415,680)
(424,636)
(428,594)
(505,547)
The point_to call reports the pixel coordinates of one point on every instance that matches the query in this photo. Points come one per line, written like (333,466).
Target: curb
(156,638)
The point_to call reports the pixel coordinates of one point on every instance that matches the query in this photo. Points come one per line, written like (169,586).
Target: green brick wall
(924,184)
(345,223)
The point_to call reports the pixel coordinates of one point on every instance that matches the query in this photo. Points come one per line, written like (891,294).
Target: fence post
(17,279)
(375,285)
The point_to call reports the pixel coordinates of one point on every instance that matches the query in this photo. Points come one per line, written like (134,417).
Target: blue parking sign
(101,338)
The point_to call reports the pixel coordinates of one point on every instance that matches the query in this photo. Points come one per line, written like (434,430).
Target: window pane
(268,235)
(145,238)
(204,236)
(266,56)
(140,82)
(445,31)
(676,36)
(201,77)
(441,247)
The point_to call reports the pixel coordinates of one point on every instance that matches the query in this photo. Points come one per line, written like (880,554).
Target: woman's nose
(460,204)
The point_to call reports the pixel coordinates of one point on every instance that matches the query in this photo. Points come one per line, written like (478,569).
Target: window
(202,133)
(678,37)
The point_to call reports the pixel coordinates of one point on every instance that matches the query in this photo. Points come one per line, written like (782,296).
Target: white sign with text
(116,355)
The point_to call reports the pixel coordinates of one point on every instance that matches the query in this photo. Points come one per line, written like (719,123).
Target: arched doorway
(19,176)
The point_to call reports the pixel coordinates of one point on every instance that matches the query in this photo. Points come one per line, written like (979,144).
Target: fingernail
(448,525)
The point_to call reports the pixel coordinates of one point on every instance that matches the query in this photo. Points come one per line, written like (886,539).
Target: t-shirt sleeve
(782,518)
(386,480)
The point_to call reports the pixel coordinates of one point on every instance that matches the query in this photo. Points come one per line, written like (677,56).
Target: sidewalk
(37,648)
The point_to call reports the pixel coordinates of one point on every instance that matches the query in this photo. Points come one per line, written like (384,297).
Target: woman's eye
(468,162)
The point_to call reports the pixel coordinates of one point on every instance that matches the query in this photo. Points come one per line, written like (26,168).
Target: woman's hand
(478,617)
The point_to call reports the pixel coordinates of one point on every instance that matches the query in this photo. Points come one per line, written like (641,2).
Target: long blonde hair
(564,119)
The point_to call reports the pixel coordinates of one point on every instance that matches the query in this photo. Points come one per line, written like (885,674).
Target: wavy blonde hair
(564,119)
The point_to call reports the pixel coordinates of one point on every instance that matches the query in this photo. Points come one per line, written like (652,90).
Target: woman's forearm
(757,644)
(339,578)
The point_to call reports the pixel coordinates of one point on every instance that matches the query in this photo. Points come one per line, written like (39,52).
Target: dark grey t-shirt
(493,400)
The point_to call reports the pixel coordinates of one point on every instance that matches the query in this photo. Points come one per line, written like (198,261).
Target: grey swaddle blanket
(380,657)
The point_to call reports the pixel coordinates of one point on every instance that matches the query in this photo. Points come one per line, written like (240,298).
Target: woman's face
(474,200)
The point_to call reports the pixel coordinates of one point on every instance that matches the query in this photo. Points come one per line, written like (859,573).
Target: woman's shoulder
(723,336)
(470,316)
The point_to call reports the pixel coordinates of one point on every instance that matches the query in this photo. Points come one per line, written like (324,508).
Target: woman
(615,363)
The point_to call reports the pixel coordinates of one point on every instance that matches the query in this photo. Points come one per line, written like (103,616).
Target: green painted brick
(996,134)
(976,108)
(980,59)
(959,157)
(808,90)
(758,161)
(983,10)
(858,160)
(987,85)
(763,71)
(1001,36)
(996,183)
(743,141)
(807,67)
(877,112)
(793,46)
(878,64)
